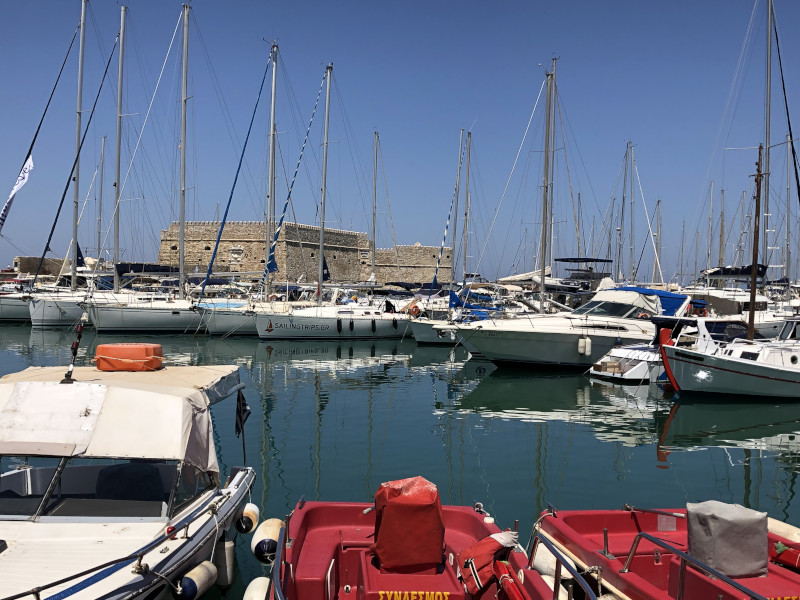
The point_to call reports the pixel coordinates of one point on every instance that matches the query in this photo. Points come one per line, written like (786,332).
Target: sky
(683,81)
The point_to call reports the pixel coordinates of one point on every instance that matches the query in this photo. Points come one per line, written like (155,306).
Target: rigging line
(235,179)
(291,204)
(641,254)
(569,177)
(74,162)
(513,167)
(355,157)
(225,111)
(446,228)
(7,206)
(141,132)
(786,107)
(649,223)
(272,265)
(389,208)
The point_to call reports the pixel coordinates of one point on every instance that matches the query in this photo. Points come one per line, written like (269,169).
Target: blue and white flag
(23,177)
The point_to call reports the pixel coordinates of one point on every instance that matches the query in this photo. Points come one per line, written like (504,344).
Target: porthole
(793,360)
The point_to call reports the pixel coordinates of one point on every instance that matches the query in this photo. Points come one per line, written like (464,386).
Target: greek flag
(21,180)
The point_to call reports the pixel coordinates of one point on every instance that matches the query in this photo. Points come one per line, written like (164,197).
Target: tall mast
(631,233)
(328,74)
(550,212)
(721,262)
(184,101)
(767,118)
(466,204)
(546,184)
(788,267)
(117,163)
(374,199)
(656,270)
(76,178)
(710,228)
(455,209)
(100,201)
(271,184)
(754,266)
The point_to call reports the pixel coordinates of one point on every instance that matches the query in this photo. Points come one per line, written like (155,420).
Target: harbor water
(332,420)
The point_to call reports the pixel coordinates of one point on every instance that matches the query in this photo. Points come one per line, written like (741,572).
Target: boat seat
(130,481)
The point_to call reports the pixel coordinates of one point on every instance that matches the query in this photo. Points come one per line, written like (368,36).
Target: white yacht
(611,318)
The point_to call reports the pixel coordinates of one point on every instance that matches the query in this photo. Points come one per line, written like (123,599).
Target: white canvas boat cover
(648,302)
(160,414)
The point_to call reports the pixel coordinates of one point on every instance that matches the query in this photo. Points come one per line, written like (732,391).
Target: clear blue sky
(658,74)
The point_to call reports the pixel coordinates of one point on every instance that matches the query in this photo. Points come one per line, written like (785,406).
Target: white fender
(582,346)
(588,346)
(551,583)
(544,562)
(265,540)
(198,581)
(247,518)
(257,589)
(224,558)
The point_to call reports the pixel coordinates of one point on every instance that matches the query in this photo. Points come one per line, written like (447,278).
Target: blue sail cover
(670,301)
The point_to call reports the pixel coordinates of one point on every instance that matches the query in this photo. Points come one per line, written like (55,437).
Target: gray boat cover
(728,537)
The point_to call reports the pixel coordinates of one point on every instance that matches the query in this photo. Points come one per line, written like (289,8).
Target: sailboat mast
(184,101)
(374,200)
(117,163)
(328,74)
(271,183)
(631,233)
(754,266)
(100,201)
(788,267)
(767,119)
(466,203)
(76,178)
(455,210)
(546,185)
(721,262)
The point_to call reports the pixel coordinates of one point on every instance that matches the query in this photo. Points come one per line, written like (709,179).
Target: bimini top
(160,414)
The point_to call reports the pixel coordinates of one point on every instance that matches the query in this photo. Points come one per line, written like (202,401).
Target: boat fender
(247,518)
(265,540)
(223,559)
(394,323)
(373,325)
(551,583)
(544,562)
(339,325)
(257,589)
(351,324)
(198,581)
(585,346)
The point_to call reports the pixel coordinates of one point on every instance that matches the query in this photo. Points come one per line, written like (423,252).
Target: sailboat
(764,369)
(334,321)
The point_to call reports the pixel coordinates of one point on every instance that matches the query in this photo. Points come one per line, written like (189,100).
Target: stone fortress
(348,254)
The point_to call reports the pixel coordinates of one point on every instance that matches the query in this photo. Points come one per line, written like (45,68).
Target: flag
(81,262)
(326,274)
(23,177)
(242,412)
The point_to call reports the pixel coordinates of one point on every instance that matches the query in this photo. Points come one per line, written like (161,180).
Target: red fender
(665,340)
(507,580)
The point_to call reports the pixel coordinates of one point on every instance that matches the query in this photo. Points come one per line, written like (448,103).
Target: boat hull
(273,326)
(52,311)
(177,318)
(14,307)
(700,373)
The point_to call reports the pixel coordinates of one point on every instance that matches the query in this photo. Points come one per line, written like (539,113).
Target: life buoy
(415,310)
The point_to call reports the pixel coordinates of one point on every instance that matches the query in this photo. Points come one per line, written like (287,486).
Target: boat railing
(276,593)
(685,558)
(562,562)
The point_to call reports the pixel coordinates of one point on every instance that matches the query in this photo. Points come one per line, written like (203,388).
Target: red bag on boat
(476,563)
(409,527)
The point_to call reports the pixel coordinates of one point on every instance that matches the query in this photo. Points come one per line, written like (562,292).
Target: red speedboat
(406,546)
(709,550)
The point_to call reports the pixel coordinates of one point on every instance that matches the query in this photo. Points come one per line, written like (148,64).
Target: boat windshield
(604,308)
(32,487)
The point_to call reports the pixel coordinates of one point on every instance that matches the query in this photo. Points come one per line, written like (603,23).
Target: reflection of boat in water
(430,355)
(752,425)
(335,355)
(568,398)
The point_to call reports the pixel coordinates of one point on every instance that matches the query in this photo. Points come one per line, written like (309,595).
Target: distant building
(26,265)
(348,254)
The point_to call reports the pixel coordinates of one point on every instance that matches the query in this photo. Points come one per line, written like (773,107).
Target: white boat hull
(14,307)
(225,321)
(275,326)
(698,372)
(424,332)
(558,347)
(122,317)
(55,311)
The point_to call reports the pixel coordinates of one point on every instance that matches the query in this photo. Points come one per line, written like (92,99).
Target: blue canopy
(670,301)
